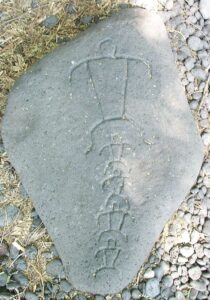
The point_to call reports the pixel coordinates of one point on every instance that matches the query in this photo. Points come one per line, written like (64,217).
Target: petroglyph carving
(115,210)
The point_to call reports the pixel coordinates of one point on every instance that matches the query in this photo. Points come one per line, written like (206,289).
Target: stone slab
(102,137)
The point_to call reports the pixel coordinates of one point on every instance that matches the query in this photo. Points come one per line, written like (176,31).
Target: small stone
(8,214)
(14,250)
(99,297)
(206,138)
(204,7)
(86,20)
(3,250)
(55,268)
(136,294)
(167,281)
(182,260)
(193,294)
(12,285)
(169,4)
(22,279)
(206,181)
(198,285)
(169,243)
(126,295)
(187,251)
(34,4)
(195,273)
(184,279)
(199,250)
(31,296)
(50,21)
(195,43)
(152,288)
(199,74)
(185,237)
(20,264)
(79,297)
(175,275)
(31,252)
(23,192)
(54,251)
(195,235)
(180,295)
(206,227)
(149,274)
(3,279)
(71,8)
(165,293)
(66,286)
(207,252)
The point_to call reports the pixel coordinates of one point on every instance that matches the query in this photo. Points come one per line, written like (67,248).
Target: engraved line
(107,145)
(94,87)
(117,57)
(125,118)
(124,236)
(118,253)
(125,87)
(107,40)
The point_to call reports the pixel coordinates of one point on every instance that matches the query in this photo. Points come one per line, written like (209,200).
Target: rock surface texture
(102,137)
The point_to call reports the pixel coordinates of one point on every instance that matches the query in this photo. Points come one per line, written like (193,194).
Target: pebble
(195,273)
(199,250)
(204,7)
(71,8)
(187,251)
(31,252)
(126,295)
(167,281)
(195,43)
(20,264)
(169,4)
(3,250)
(79,297)
(206,228)
(149,274)
(185,237)
(207,252)
(152,287)
(99,297)
(34,4)
(3,279)
(50,21)
(55,268)
(8,214)
(189,63)
(21,279)
(14,250)
(199,74)
(193,294)
(86,20)
(180,295)
(136,294)
(195,236)
(165,293)
(206,181)
(198,285)
(67,287)
(206,141)
(31,296)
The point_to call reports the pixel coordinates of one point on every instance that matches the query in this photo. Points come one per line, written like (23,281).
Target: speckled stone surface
(102,137)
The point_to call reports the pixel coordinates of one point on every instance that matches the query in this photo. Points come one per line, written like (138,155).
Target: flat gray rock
(102,137)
